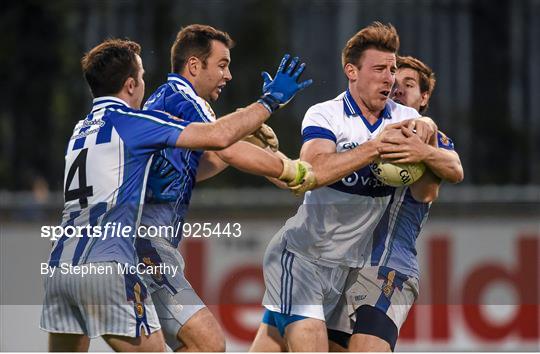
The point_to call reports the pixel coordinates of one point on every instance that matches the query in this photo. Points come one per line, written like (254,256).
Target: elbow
(221,143)
(457,176)
(425,196)
(226,155)
(429,198)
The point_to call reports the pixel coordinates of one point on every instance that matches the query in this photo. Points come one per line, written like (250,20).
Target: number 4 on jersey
(83,192)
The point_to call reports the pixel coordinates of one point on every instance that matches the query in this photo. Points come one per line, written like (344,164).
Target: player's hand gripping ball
(397,175)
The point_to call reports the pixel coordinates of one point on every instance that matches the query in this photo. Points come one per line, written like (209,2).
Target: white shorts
(175,300)
(389,291)
(98,304)
(297,286)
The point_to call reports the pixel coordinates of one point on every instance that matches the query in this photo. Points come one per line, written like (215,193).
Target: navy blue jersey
(177,97)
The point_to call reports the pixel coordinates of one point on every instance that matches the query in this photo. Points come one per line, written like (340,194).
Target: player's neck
(129,99)
(192,81)
(371,115)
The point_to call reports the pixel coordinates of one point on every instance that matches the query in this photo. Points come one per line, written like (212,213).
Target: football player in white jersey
(200,58)
(378,296)
(93,289)
(308,260)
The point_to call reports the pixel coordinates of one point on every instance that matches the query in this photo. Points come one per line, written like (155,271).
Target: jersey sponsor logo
(96,123)
(350,145)
(365,181)
(350,180)
(362,182)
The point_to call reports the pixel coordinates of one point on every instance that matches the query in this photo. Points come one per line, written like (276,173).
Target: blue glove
(279,91)
(162,174)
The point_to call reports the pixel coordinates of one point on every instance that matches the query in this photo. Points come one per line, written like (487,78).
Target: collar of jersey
(352,110)
(107,101)
(179,79)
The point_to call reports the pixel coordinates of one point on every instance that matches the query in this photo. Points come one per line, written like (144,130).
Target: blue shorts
(279,320)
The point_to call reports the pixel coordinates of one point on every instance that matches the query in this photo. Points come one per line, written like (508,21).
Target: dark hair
(426,75)
(377,36)
(107,66)
(196,41)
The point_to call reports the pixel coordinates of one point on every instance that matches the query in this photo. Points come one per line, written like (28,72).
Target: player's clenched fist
(298,175)
(277,92)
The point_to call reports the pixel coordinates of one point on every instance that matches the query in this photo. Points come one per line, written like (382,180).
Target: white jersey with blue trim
(394,238)
(107,162)
(177,97)
(335,223)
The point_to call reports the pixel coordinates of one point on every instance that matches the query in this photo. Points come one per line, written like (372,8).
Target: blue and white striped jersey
(107,162)
(394,238)
(335,223)
(177,97)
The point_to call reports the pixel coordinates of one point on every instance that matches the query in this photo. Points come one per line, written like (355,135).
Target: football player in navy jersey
(200,59)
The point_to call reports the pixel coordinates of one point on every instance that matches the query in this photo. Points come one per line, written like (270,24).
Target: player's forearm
(225,131)
(252,159)
(444,164)
(209,166)
(331,167)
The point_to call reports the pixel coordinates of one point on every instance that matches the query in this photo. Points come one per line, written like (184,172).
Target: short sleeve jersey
(335,223)
(107,164)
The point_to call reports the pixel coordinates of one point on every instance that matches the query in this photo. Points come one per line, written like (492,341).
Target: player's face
(216,74)
(374,80)
(138,94)
(406,89)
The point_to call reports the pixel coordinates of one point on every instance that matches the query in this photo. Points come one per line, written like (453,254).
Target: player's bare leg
(201,333)
(335,347)
(268,339)
(307,335)
(144,343)
(63,342)
(367,343)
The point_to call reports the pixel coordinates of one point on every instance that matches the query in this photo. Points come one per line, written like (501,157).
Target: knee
(217,344)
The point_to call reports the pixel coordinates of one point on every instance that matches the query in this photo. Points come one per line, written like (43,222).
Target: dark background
(486,56)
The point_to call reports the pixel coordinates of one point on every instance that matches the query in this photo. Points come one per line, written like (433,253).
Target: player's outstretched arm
(296,175)
(210,165)
(252,159)
(224,132)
